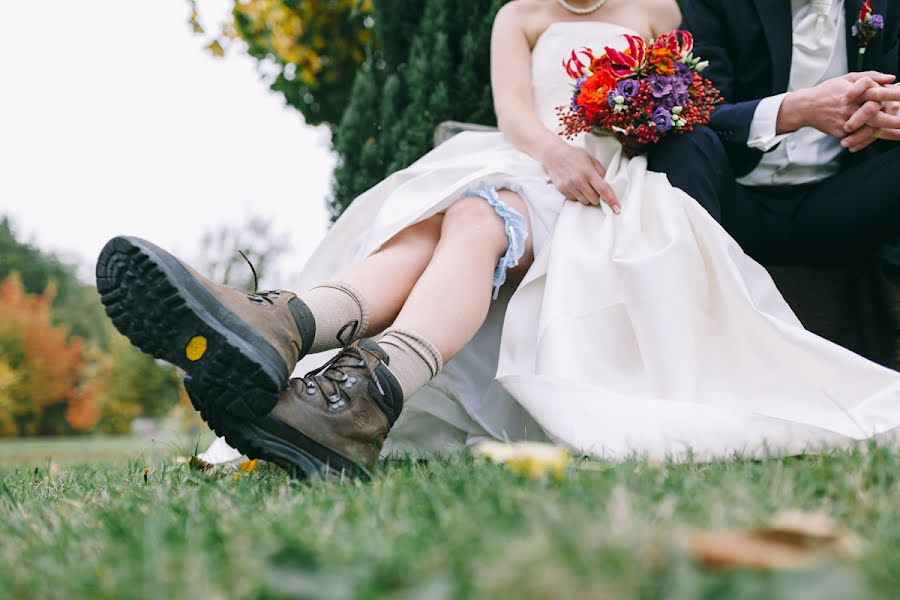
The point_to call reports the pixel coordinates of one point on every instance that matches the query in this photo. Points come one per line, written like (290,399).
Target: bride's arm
(511,86)
(574,172)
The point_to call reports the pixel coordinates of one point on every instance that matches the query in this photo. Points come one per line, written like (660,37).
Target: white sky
(113,119)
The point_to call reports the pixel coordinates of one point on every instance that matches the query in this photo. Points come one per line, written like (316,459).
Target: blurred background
(209,127)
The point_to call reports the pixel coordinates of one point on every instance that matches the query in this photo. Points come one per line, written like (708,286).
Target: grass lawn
(98,449)
(458,528)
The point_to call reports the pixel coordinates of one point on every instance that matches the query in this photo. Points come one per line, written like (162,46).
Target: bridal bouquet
(641,94)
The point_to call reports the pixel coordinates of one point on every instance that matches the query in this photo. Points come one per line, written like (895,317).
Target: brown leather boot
(238,349)
(333,420)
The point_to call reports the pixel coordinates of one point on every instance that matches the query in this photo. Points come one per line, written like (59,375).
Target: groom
(801,163)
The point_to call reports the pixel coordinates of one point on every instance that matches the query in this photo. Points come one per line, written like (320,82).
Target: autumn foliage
(44,383)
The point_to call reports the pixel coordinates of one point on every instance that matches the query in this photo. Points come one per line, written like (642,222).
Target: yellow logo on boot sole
(196,348)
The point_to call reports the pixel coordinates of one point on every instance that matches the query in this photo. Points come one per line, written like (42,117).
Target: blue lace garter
(516,231)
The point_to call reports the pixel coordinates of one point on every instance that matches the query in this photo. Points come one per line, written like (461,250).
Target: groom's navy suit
(749,46)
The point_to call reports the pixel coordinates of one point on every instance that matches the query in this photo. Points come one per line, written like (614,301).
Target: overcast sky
(113,119)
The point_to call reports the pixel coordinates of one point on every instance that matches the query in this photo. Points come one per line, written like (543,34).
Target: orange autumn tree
(45,387)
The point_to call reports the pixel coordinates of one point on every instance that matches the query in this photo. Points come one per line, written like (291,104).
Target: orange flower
(662,59)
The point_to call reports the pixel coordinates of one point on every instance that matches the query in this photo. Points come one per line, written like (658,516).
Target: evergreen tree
(435,66)
(355,133)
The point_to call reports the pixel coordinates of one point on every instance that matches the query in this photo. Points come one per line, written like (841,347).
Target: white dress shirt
(807,155)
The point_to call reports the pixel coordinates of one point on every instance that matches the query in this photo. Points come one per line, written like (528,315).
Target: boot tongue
(371,346)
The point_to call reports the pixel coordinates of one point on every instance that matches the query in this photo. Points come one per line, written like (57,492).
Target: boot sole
(271,440)
(167,313)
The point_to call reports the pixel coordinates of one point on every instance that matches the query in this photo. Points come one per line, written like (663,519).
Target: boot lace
(256,296)
(336,377)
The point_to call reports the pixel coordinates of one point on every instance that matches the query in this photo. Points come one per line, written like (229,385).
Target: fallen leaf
(248,466)
(201,465)
(236,476)
(528,459)
(792,540)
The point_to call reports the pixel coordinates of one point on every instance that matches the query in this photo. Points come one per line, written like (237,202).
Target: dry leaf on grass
(201,465)
(792,540)
(528,459)
(248,466)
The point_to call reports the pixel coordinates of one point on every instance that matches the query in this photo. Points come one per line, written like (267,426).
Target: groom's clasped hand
(875,103)
(857,108)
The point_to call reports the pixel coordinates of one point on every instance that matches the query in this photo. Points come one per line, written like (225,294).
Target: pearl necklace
(582,11)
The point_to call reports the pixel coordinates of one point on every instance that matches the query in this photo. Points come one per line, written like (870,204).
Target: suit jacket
(749,47)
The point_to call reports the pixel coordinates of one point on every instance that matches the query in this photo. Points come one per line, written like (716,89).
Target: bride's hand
(578,175)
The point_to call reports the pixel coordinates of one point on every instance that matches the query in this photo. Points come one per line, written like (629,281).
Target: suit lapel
(777,22)
(851,9)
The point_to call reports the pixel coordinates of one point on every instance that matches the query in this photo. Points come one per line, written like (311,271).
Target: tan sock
(341,315)
(414,361)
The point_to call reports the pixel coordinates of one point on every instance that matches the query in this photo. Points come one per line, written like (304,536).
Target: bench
(855,306)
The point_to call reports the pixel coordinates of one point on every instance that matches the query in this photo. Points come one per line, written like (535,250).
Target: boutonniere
(866,29)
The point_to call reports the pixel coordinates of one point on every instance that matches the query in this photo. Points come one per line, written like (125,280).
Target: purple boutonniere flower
(866,29)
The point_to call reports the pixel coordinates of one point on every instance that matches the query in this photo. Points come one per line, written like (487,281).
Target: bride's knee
(473,221)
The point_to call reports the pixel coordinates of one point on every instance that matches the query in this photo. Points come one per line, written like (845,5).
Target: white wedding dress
(646,333)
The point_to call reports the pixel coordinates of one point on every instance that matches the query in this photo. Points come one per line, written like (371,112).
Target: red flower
(626,64)
(865,12)
(680,43)
(574,66)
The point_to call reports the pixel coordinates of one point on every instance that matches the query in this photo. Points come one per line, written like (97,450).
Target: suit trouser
(839,220)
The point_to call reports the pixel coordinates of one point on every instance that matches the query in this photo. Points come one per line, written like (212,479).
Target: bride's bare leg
(451,299)
(386,278)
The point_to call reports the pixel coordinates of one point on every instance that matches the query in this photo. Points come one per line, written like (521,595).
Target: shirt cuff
(764,127)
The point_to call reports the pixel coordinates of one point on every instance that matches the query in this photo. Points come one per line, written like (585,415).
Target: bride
(514,286)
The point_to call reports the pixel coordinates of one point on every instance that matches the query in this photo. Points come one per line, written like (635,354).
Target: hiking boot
(237,349)
(332,421)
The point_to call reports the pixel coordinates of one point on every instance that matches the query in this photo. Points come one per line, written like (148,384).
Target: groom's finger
(860,139)
(858,88)
(877,76)
(883,120)
(891,135)
(862,116)
(883,94)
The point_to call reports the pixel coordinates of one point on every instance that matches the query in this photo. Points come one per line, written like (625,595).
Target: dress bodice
(551,85)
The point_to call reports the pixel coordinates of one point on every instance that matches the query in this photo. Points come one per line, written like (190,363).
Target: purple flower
(628,88)
(876,22)
(660,85)
(662,118)
(668,102)
(684,73)
(611,99)
(578,83)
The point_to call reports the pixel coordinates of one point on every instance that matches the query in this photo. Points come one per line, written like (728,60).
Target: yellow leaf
(248,466)
(236,476)
(216,49)
(528,459)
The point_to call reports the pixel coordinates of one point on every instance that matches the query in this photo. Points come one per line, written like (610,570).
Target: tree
(315,47)
(74,304)
(46,392)
(63,367)
(444,74)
